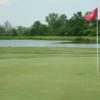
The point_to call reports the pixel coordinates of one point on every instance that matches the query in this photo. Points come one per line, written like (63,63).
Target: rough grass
(48,74)
(83,39)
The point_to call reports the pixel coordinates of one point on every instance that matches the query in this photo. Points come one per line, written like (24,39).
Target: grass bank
(72,38)
(48,74)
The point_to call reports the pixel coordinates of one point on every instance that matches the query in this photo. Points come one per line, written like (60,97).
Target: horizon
(25,12)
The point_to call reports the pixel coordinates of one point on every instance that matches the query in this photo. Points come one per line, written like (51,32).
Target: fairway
(48,74)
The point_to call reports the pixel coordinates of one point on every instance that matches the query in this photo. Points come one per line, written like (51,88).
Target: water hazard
(44,43)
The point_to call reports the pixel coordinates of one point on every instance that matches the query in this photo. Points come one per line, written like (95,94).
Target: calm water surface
(43,43)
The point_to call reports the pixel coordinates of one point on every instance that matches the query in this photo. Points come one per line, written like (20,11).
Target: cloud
(3,2)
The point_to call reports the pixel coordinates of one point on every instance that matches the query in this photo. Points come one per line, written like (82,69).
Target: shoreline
(74,39)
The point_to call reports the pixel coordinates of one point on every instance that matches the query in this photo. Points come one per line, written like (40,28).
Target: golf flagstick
(93,15)
(97,49)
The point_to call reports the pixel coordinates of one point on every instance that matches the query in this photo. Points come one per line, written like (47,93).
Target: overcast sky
(25,12)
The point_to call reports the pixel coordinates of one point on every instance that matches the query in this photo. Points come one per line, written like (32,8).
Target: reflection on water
(43,43)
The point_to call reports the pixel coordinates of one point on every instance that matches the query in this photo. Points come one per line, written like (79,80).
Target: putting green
(48,74)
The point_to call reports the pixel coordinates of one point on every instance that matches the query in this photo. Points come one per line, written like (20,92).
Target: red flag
(92,15)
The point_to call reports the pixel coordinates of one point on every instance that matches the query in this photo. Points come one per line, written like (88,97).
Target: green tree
(99,26)
(2,30)
(53,23)
(38,29)
(76,25)
(56,24)
(23,31)
(63,25)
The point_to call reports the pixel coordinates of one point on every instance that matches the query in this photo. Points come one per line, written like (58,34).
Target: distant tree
(56,25)
(99,26)
(8,28)
(51,19)
(2,30)
(23,31)
(38,29)
(14,32)
(76,25)
(53,23)
(63,25)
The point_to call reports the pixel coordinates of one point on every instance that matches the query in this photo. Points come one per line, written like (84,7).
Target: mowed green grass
(48,74)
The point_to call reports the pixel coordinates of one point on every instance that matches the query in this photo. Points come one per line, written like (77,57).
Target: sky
(26,12)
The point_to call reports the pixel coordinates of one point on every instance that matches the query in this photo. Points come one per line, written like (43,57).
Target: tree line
(56,25)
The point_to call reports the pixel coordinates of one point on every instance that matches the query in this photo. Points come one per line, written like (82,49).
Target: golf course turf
(48,74)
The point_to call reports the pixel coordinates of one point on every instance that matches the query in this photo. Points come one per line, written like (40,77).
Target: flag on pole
(92,15)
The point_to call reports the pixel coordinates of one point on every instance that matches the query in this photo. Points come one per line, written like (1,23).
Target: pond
(43,43)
